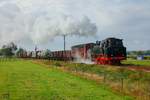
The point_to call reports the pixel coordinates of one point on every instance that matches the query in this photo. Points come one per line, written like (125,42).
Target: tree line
(12,50)
(144,52)
(8,50)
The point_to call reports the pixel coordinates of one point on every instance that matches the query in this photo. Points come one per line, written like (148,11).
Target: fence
(7,59)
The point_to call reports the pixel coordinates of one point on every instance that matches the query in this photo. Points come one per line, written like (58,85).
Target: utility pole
(64,42)
(64,48)
(36,51)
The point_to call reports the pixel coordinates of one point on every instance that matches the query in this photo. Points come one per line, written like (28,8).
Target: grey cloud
(35,19)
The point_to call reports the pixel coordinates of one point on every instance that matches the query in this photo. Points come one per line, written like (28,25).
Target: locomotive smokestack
(64,47)
(64,42)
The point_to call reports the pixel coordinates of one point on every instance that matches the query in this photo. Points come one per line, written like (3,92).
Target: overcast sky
(43,22)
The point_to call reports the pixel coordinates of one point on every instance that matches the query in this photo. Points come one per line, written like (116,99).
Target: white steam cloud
(80,59)
(46,28)
(16,25)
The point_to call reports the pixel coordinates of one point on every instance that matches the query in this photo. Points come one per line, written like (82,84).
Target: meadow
(120,79)
(137,62)
(25,80)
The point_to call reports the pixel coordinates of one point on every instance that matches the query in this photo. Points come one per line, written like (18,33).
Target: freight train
(109,51)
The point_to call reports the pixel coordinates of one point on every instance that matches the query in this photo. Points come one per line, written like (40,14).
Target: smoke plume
(46,28)
(16,25)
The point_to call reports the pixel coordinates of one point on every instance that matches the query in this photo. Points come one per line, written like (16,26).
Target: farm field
(24,80)
(137,62)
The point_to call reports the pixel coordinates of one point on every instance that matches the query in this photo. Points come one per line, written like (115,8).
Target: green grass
(119,79)
(137,62)
(23,80)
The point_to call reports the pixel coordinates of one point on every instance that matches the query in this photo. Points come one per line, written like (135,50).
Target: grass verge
(23,80)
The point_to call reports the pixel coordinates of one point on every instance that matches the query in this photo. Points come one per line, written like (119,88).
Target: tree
(47,54)
(0,52)
(20,52)
(9,49)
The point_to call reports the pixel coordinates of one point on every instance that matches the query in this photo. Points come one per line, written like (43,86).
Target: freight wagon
(61,55)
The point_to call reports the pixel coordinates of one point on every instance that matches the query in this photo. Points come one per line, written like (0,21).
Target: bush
(147,57)
(57,64)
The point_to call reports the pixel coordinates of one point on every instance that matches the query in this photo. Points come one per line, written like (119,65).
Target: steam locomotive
(109,51)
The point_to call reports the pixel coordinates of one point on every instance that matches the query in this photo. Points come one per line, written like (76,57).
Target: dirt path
(139,69)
